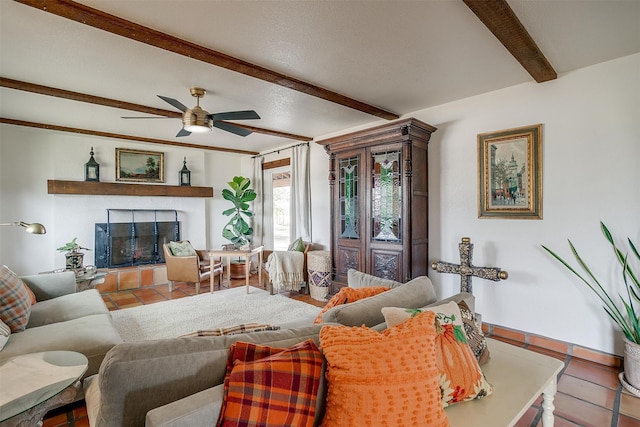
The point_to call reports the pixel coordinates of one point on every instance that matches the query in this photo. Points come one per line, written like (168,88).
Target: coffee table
(246,254)
(32,384)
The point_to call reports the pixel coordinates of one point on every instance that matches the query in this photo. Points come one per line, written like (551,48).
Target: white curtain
(258,210)
(300,199)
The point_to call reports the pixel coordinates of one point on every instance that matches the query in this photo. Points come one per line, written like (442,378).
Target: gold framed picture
(510,173)
(139,166)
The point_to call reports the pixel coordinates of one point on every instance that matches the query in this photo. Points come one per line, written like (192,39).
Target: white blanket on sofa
(285,270)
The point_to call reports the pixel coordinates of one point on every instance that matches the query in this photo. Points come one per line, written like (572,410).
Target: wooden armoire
(378,180)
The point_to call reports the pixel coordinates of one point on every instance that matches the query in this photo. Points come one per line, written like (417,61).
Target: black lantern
(92,169)
(185,174)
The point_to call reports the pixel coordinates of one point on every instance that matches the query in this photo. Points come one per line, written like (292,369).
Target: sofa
(179,381)
(62,319)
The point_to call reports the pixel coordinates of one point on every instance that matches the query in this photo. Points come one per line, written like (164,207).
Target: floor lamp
(34,228)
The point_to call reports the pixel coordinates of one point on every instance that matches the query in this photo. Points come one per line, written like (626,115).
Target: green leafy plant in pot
(238,230)
(73,256)
(623,308)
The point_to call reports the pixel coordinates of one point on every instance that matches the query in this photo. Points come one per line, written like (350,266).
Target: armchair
(267,255)
(191,268)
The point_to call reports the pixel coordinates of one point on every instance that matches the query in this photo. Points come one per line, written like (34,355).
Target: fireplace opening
(137,242)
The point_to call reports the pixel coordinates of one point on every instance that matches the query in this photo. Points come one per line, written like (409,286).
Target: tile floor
(589,394)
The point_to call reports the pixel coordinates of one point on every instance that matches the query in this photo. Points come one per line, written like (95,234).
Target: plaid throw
(233,330)
(271,387)
(16,304)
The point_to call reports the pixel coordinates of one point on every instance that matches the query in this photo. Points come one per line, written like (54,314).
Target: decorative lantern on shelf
(185,174)
(92,169)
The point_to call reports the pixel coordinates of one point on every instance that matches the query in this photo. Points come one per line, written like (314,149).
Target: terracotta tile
(486,328)
(585,390)
(121,295)
(499,331)
(527,418)
(149,299)
(128,302)
(57,419)
(146,277)
(630,405)
(82,422)
(508,341)
(599,374)
(160,276)
(561,422)
(543,342)
(128,280)
(624,421)
(144,292)
(545,351)
(79,412)
(110,283)
(132,304)
(583,413)
(596,356)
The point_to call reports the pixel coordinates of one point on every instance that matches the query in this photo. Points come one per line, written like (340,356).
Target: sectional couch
(179,381)
(64,320)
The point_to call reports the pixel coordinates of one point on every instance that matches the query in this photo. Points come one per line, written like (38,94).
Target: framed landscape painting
(510,173)
(139,166)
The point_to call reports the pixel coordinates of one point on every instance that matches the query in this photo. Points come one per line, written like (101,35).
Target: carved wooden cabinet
(378,180)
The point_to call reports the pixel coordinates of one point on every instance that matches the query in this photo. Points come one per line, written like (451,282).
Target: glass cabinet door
(386,197)
(349,197)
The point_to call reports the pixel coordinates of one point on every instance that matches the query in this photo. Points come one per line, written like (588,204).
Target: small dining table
(247,254)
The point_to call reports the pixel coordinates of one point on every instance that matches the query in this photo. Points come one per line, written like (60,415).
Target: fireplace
(137,241)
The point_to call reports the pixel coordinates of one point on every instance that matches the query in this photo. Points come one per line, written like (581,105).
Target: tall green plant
(624,308)
(238,230)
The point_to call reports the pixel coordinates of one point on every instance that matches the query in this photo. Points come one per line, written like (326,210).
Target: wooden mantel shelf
(117,189)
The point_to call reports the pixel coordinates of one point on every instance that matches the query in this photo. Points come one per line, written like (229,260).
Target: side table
(32,384)
(246,254)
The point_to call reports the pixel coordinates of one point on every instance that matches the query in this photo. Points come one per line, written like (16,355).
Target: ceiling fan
(197,120)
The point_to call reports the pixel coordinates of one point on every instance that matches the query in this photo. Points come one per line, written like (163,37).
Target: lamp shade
(34,228)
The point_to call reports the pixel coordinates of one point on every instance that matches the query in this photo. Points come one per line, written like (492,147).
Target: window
(277,186)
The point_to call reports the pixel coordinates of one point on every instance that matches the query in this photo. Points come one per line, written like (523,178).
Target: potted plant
(238,230)
(623,307)
(73,256)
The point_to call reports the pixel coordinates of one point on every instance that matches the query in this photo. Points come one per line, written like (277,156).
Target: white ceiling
(401,56)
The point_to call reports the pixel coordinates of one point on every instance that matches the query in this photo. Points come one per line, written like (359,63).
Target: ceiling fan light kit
(197,120)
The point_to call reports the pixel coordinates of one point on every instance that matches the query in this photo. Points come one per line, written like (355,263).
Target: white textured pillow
(183,248)
(5,333)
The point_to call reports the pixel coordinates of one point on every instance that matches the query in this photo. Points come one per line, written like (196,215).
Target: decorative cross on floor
(466,270)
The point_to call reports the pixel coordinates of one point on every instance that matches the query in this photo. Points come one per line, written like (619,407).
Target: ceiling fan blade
(232,128)
(235,115)
(183,133)
(174,102)
(140,117)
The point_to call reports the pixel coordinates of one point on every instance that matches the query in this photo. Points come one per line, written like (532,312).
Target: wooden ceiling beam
(500,19)
(120,136)
(115,25)
(114,103)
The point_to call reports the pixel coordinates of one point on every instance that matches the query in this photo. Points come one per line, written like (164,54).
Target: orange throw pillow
(32,296)
(387,378)
(461,377)
(346,295)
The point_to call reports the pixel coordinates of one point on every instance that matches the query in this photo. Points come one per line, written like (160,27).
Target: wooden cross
(466,270)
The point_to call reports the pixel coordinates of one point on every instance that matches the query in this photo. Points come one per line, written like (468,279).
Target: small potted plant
(73,256)
(623,305)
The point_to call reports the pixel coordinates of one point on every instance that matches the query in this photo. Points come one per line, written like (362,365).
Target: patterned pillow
(15,304)
(461,377)
(387,378)
(268,386)
(183,248)
(346,295)
(244,328)
(32,296)
(5,333)
(474,334)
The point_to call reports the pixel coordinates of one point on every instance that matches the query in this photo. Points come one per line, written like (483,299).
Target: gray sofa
(64,320)
(178,382)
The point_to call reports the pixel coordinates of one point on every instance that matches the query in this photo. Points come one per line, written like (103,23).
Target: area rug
(224,308)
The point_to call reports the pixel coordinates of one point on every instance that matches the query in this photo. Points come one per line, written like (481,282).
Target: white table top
(31,379)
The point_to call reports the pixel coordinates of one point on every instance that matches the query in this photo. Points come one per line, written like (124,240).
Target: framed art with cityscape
(510,173)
